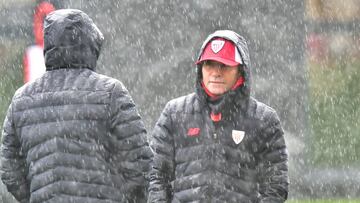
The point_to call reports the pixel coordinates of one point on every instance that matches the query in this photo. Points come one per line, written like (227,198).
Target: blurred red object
(34,63)
(41,11)
(317,47)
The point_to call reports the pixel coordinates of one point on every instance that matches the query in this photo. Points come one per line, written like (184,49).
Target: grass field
(334,114)
(324,201)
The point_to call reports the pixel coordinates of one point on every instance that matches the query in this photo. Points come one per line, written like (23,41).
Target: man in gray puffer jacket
(219,144)
(74,135)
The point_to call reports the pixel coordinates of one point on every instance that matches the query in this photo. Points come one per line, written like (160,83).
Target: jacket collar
(230,102)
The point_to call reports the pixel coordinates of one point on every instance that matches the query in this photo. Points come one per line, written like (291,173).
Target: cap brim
(220,60)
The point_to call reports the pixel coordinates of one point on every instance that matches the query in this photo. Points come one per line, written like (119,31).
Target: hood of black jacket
(71,40)
(241,94)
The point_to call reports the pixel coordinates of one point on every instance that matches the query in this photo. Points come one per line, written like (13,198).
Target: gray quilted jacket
(74,135)
(241,158)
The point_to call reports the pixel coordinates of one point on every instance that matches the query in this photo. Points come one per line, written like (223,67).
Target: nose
(217,72)
(218,68)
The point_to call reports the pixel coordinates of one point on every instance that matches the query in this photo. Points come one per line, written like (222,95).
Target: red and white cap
(221,50)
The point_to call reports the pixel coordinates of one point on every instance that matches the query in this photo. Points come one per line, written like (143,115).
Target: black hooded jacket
(198,160)
(74,135)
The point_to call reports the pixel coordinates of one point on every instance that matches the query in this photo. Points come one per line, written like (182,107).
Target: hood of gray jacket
(71,40)
(242,47)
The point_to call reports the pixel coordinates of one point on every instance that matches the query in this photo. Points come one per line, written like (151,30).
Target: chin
(217,92)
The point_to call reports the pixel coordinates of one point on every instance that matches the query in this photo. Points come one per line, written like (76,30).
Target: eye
(209,63)
(223,66)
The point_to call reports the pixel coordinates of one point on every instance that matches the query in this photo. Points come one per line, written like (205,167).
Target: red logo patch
(215,117)
(193,132)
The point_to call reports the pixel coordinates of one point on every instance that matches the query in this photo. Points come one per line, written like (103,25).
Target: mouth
(216,82)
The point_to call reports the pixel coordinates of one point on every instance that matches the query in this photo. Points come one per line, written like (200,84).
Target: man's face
(219,78)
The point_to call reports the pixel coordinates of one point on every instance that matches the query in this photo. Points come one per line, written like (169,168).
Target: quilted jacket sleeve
(13,166)
(131,151)
(273,167)
(162,166)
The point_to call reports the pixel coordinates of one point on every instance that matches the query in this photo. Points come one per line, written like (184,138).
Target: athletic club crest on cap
(217,45)
(238,136)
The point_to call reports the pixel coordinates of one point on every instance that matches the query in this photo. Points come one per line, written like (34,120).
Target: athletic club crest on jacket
(237,136)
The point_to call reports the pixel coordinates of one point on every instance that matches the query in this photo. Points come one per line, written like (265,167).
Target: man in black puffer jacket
(74,135)
(219,144)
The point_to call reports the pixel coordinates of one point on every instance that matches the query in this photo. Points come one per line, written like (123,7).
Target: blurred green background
(335,113)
